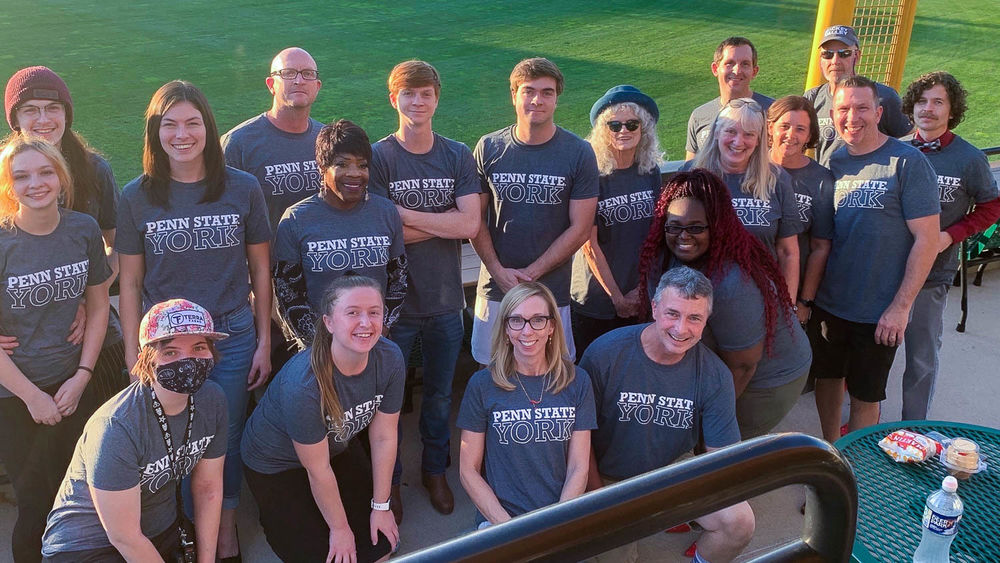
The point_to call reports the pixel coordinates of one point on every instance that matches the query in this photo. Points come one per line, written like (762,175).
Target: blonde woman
(51,261)
(320,497)
(762,193)
(528,416)
(605,283)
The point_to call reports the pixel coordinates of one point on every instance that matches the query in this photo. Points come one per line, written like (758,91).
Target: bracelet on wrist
(86,369)
(807,302)
(380,506)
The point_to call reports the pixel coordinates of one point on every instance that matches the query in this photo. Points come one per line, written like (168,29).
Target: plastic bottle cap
(950,484)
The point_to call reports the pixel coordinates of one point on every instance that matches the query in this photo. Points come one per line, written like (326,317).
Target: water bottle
(940,523)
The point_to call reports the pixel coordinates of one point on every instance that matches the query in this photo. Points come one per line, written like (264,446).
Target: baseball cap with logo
(843,33)
(176,317)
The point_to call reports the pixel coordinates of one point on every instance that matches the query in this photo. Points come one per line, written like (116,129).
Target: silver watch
(381,506)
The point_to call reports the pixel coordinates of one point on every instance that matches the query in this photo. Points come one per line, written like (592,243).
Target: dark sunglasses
(690,229)
(631,125)
(828,54)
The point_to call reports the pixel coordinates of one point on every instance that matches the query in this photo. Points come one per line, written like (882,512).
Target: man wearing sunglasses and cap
(735,66)
(839,52)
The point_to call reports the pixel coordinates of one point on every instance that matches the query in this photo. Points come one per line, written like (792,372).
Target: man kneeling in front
(655,386)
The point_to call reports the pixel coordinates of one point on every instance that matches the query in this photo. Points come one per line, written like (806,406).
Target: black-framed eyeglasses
(829,53)
(537,322)
(291,73)
(690,229)
(631,125)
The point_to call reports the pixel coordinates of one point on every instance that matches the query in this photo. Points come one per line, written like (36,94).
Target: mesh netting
(877,23)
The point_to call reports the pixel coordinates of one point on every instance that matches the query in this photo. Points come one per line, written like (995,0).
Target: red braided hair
(729,242)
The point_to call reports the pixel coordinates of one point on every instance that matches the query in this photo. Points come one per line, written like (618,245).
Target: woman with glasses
(339,230)
(320,496)
(37,102)
(761,192)
(792,128)
(605,284)
(528,416)
(51,261)
(192,227)
(752,323)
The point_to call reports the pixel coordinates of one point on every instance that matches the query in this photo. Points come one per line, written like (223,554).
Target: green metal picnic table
(891,495)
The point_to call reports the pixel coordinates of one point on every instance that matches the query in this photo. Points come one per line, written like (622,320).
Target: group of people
(328,256)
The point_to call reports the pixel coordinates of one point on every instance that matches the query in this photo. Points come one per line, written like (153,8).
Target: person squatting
(598,281)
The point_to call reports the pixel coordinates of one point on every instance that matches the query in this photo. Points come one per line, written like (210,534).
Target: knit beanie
(35,83)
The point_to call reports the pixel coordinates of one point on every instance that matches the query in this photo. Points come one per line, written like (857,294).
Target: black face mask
(186,375)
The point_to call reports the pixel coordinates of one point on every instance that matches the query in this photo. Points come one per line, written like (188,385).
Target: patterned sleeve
(293,305)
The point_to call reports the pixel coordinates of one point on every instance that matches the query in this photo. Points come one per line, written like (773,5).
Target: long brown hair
(156,163)
(321,357)
(17,144)
(502,362)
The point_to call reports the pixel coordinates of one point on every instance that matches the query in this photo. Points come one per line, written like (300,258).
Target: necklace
(533,402)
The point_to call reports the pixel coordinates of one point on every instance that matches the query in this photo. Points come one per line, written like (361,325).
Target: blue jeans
(236,356)
(441,341)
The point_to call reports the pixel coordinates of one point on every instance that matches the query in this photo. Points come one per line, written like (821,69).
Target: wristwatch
(380,506)
(807,302)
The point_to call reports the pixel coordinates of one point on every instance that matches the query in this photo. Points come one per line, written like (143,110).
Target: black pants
(166,543)
(36,457)
(588,329)
(294,526)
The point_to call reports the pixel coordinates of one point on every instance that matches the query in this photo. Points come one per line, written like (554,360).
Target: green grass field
(115,54)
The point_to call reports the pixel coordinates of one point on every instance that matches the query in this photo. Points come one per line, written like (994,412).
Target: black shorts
(294,526)
(847,350)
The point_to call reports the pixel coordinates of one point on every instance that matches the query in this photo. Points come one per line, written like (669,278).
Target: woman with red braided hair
(752,323)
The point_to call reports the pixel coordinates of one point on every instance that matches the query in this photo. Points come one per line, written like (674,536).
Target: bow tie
(928,146)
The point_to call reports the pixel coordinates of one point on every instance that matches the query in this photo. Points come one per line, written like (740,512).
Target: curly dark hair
(956,95)
(730,243)
(344,137)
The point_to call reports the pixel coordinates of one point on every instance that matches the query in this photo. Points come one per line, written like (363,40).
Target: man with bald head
(279,145)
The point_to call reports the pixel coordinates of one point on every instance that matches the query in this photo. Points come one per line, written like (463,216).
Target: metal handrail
(652,502)
(991,151)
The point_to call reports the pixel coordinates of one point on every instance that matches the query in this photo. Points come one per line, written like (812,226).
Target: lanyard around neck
(161,416)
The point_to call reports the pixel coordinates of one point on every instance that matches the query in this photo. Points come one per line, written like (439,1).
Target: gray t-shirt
(624,212)
(291,409)
(44,279)
(737,322)
(778,217)
(875,195)
(429,183)
(703,116)
(892,123)
(104,208)
(963,177)
(329,242)
(195,250)
(122,446)
(531,188)
(813,187)
(649,414)
(526,447)
(284,163)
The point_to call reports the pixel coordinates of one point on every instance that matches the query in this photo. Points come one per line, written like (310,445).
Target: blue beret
(620,94)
